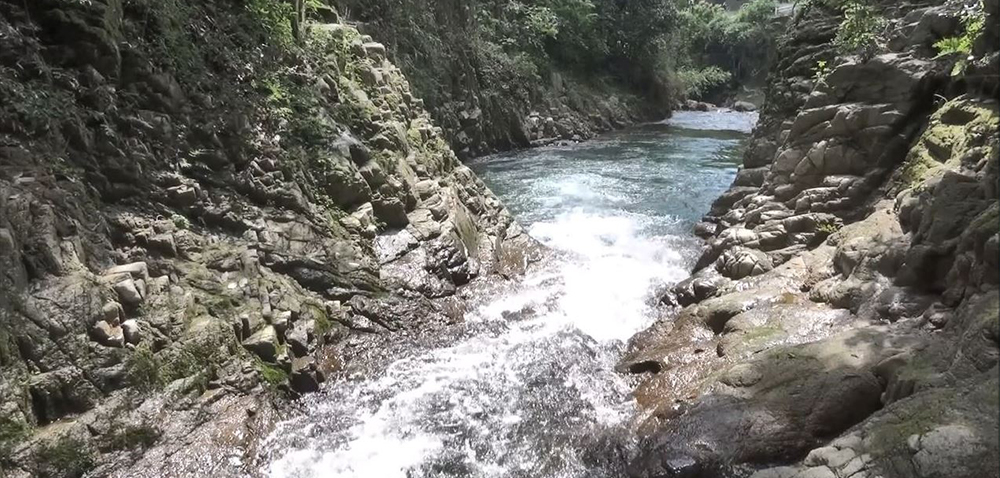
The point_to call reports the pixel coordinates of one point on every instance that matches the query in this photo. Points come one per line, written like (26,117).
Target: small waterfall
(535,396)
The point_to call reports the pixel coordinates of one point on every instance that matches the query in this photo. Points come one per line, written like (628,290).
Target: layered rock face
(480,101)
(193,211)
(843,319)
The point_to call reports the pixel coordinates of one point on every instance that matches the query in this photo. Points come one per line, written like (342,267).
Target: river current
(537,396)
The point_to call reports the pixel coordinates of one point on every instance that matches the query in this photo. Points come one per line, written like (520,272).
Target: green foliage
(821,71)
(67,457)
(147,371)
(166,23)
(180,222)
(275,16)
(862,32)
(973,23)
(694,83)
(142,369)
(272,375)
(196,358)
(709,38)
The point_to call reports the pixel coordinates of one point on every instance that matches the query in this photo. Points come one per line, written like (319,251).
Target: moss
(180,222)
(67,457)
(147,371)
(759,334)
(323,323)
(272,375)
(954,129)
(890,435)
(197,358)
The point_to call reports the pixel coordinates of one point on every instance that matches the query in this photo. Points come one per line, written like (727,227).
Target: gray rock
(740,262)
(107,334)
(138,270)
(131,332)
(112,313)
(300,337)
(127,292)
(264,344)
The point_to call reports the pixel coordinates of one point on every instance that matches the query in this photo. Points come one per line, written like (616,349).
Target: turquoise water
(665,174)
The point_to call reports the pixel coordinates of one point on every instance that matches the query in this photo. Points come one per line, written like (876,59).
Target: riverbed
(528,388)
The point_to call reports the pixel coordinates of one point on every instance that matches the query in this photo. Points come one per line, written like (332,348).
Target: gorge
(240,242)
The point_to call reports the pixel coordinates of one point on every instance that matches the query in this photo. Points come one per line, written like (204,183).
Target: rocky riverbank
(198,219)
(843,319)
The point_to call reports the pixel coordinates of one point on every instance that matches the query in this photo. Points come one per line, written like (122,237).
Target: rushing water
(536,397)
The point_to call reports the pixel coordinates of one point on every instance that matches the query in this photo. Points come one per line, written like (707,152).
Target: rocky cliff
(199,212)
(495,94)
(843,319)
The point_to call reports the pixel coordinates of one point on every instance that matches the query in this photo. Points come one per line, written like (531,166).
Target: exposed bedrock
(176,249)
(842,320)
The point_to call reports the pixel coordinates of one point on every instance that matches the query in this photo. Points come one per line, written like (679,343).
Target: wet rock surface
(843,278)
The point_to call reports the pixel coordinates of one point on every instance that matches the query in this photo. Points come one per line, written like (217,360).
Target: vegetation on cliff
(483,66)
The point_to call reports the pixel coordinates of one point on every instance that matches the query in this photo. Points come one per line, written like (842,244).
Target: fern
(974,21)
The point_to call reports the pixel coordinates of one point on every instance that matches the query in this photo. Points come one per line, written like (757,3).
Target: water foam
(485,387)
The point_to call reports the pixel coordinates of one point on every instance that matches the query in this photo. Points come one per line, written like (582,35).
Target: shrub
(142,369)
(862,32)
(695,83)
(973,23)
(67,457)
(709,39)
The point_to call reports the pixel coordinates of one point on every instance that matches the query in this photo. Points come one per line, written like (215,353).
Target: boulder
(107,334)
(131,332)
(740,262)
(264,344)
(128,293)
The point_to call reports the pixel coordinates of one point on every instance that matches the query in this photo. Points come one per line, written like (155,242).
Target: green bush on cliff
(67,457)
(862,32)
(973,24)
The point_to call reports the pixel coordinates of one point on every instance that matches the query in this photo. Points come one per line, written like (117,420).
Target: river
(536,396)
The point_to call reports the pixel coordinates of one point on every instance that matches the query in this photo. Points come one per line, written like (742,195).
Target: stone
(740,262)
(744,106)
(374,50)
(304,377)
(299,337)
(829,456)
(128,293)
(112,313)
(264,344)
(182,195)
(817,472)
(138,270)
(107,334)
(131,331)
(282,320)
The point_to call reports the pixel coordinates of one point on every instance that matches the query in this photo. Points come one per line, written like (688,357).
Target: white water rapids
(535,397)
